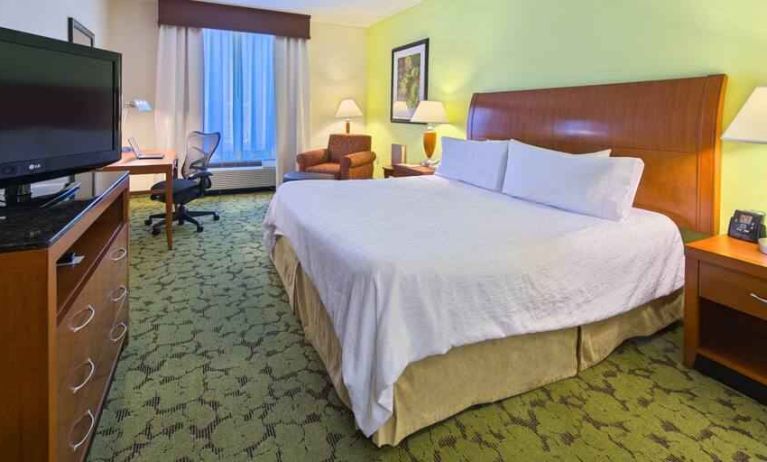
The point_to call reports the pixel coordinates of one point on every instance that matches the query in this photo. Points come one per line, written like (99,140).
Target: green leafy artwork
(409,80)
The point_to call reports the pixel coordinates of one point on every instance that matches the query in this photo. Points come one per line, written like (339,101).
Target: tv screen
(60,110)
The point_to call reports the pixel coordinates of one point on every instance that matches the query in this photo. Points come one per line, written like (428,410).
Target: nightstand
(725,312)
(401,170)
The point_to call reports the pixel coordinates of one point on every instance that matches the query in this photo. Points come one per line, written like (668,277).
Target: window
(239,99)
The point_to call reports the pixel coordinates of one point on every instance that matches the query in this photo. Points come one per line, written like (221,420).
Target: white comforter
(412,267)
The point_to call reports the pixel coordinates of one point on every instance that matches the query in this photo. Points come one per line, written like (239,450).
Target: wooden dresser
(725,319)
(63,327)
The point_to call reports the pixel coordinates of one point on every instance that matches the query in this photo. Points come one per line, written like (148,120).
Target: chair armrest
(310,158)
(358,159)
(202,173)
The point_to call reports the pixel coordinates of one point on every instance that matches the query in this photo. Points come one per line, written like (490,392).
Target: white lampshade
(348,109)
(430,112)
(140,105)
(400,110)
(750,125)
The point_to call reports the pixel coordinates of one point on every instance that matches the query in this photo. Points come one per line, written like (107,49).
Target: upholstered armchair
(347,157)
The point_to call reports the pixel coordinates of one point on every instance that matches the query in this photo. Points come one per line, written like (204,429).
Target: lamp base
(429,142)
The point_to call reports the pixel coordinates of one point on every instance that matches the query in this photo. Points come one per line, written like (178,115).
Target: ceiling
(360,13)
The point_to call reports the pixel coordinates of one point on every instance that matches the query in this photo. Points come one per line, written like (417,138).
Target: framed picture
(409,79)
(80,34)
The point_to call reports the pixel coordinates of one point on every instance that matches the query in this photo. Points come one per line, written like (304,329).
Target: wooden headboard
(673,125)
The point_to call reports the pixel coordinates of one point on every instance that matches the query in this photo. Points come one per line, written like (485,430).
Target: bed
(436,298)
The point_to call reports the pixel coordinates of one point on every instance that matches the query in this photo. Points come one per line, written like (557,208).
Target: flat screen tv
(60,108)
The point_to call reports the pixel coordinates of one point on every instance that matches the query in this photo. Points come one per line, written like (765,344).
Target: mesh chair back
(200,148)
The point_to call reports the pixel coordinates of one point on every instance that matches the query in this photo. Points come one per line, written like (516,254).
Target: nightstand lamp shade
(750,125)
(430,113)
(347,110)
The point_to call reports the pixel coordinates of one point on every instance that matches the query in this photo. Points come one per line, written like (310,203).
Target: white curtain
(291,73)
(178,97)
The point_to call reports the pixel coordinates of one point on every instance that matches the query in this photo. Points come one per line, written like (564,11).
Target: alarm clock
(747,225)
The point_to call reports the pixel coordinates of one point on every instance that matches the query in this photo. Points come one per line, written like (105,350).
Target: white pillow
(596,186)
(518,144)
(481,163)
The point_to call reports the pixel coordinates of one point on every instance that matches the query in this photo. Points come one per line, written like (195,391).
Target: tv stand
(23,196)
(65,304)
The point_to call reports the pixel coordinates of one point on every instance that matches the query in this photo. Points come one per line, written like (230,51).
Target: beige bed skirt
(438,387)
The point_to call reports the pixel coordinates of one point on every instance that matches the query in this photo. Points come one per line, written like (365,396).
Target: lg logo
(35,167)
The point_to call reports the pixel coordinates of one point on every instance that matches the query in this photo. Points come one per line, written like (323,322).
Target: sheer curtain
(239,95)
(291,69)
(178,100)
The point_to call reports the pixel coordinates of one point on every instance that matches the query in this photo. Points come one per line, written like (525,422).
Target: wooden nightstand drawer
(734,289)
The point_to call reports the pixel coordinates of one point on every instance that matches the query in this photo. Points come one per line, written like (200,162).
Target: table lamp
(346,110)
(750,126)
(430,113)
(140,105)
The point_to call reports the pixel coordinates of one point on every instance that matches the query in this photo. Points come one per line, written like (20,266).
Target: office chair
(200,147)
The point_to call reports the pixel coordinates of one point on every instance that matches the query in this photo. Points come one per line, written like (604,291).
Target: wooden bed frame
(673,125)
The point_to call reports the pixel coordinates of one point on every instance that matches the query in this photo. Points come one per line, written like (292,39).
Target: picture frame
(80,34)
(409,80)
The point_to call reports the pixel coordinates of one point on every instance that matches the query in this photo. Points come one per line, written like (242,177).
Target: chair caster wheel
(199,229)
(148,222)
(216,217)
(155,232)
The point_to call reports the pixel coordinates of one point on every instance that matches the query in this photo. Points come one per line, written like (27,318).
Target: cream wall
(133,31)
(487,45)
(49,17)
(337,63)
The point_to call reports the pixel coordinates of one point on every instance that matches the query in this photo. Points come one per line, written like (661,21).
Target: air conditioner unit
(234,178)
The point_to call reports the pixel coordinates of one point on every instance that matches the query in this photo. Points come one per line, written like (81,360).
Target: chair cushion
(180,185)
(326,168)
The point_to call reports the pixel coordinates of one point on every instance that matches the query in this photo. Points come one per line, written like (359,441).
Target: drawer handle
(122,334)
(76,446)
(763,300)
(123,293)
(119,254)
(91,315)
(77,388)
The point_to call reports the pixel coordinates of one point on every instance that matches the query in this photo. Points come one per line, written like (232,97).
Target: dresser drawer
(733,289)
(78,333)
(115,262)
(77,424)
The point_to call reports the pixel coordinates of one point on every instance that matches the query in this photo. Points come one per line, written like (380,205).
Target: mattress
(410,268)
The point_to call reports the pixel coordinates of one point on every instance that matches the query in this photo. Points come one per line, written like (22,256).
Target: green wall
(485,45)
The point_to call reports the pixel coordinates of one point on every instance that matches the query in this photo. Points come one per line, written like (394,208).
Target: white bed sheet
(412,267)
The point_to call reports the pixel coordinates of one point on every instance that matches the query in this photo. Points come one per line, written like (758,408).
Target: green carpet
(217,369)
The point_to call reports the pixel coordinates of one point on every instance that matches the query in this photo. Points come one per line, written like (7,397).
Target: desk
(166,165)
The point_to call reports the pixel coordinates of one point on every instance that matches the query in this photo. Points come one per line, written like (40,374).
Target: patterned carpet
(217,369)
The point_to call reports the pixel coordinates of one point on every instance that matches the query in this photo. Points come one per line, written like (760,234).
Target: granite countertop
(37,228)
